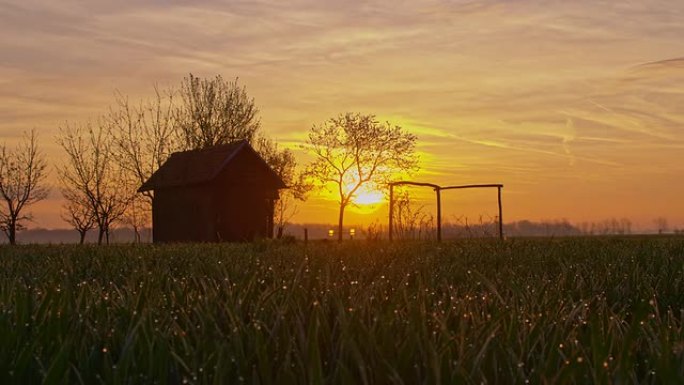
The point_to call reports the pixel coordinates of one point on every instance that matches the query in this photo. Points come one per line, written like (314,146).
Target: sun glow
(369,198)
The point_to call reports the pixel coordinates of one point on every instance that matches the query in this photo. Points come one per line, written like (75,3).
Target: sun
(369,198)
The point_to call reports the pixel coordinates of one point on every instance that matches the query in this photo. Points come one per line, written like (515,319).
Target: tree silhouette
(144,135)
(78,213)
(214,111)
(22,175)
(92,173)
(661,224)
(284,164)
(354,150)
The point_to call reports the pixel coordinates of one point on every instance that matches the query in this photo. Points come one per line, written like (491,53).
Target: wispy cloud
(529,92)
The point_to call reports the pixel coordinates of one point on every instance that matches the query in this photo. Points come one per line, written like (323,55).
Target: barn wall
(243,214)
(183,214)
(244,195)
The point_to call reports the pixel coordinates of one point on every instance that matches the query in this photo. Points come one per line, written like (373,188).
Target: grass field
(599,310)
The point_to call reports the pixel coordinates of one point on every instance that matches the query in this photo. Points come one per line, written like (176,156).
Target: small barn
(224,193)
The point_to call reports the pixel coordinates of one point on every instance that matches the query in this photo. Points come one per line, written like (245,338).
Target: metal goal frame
(438,191)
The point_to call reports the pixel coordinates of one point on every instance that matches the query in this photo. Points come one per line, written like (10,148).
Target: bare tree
(354,150)
(144,135)
(22,177)
(283,162)
(91,170)
(661,224)
(625,226)
(214,111)
(78,212)
(137,216)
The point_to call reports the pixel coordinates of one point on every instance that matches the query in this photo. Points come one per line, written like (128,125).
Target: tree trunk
(341,222)
(136,233)
(100,234)
(12,233)
(280,232)
(82,234)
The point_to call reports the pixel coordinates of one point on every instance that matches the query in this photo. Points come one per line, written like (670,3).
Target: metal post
(391,211)
(501,235)
(439,214)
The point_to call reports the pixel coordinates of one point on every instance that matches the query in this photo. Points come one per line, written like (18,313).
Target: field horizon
(523,228)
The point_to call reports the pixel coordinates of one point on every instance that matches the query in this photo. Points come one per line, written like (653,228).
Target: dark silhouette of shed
(221,193)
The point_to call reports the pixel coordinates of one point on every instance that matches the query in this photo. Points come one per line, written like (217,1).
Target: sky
(577,107)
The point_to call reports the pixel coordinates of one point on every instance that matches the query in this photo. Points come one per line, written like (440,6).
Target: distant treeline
(56,236)
(376,230)
(449,230)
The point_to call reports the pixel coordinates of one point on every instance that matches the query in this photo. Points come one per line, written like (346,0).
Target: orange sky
(576,106)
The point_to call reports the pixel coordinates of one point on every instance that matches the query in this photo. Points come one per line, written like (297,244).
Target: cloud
(526,91)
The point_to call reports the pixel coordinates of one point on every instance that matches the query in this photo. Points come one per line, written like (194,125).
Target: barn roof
(199,166)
